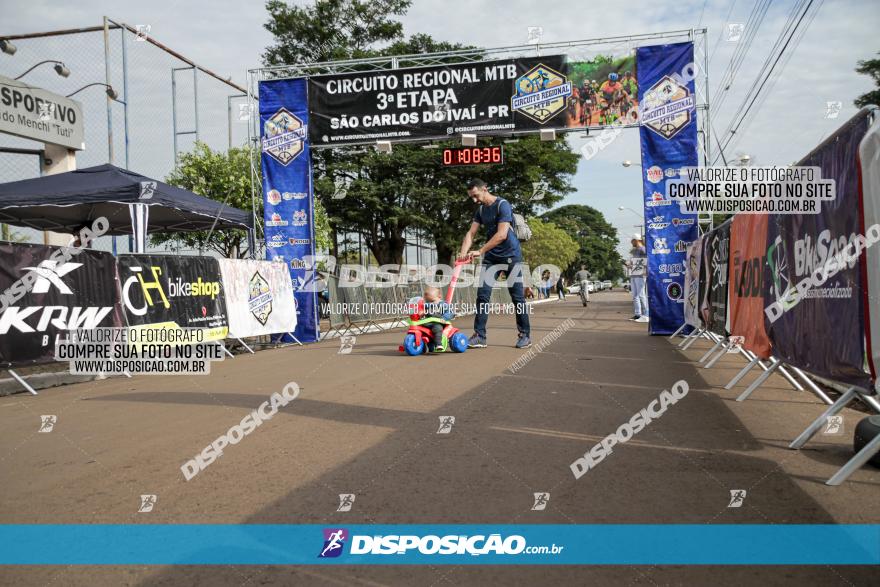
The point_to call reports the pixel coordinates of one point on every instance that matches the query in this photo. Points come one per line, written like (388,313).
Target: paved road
(366,423)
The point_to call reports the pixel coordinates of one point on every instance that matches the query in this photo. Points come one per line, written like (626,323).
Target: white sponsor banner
(869,153)
(259,297)
(692,283)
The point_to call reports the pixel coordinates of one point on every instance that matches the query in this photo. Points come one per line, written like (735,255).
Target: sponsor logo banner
(62,295)
(259,297)
(717,258)
(748,270)
(692,283)
(288,197)
(668,134)
(830,316)
(164,291)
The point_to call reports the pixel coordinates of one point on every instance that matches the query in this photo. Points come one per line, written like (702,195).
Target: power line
(761,83)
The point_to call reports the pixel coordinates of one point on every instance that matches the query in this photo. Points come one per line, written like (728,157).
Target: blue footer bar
(625,544)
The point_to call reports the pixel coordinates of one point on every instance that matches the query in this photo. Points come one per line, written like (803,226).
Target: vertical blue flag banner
(668,133)
(288,200)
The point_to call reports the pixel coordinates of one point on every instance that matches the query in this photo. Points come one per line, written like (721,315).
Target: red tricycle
(419,339)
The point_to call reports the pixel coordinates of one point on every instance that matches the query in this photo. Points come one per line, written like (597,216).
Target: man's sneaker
(439,349)
(476,342)
(643,319)
(634,318)
(524,342)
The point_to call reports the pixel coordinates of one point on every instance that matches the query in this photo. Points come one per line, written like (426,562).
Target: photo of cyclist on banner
(604,92)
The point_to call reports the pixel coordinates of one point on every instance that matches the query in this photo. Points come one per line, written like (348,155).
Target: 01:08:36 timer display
(473,156)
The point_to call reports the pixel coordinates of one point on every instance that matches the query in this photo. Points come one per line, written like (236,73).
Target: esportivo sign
(37,114)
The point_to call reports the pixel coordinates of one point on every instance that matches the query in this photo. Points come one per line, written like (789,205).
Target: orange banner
(748,270)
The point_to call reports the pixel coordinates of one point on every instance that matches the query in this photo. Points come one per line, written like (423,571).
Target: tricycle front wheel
(409,345)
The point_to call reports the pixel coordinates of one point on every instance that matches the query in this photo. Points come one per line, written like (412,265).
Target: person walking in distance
(501,253)
(560,287)
(582,278)
(638,266)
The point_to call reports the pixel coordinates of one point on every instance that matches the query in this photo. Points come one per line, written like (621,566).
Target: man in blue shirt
(501,253)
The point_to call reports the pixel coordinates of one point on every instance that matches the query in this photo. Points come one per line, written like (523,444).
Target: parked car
(607,284)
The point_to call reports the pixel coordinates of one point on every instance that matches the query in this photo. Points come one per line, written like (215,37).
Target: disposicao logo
(334,541)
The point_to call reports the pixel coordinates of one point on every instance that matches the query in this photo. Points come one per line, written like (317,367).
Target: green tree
(549,245)
(331,29)
(870,67)
(224,177)
(597,240)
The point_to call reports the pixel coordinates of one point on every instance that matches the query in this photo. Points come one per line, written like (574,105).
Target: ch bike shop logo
(541,93)
(284,136)
(667,107)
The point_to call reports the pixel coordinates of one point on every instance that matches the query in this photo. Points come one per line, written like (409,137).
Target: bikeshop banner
(46,293)
(820,326)
(489,97)
(748,270)
(869,153)
(288,199)
(259,297)
(718,251)
(165,291)
(668,134)
(692,283)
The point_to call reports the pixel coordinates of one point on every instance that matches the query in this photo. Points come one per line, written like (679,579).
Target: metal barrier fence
(381,301)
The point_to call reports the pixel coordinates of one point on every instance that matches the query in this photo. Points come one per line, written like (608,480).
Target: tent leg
(834,408)
(855,463)
(742,373)
(712,350)
(813,387)
(23,383)
(295,338)
(680,328)
(757,382)
(250,350)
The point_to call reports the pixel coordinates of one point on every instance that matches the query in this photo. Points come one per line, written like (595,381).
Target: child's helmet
(416,307)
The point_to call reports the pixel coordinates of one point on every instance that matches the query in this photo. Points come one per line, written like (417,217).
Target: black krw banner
(46,292)
(719,260)
(490,97)
(162,291)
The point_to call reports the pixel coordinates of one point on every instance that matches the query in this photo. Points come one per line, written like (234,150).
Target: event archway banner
(288,199)
(668,131)
(748,270)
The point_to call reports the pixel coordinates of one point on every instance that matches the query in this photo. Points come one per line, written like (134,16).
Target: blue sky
(228,37)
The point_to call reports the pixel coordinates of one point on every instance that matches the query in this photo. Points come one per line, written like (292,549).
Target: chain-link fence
(164,103)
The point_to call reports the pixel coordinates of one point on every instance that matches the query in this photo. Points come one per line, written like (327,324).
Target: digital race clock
(473,156)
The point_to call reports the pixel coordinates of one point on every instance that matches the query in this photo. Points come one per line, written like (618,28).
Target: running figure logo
(737,497)
(346,500)
(334,541)
(446,423)
(147,503)
(541,500)
(47,423)
(834,425)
